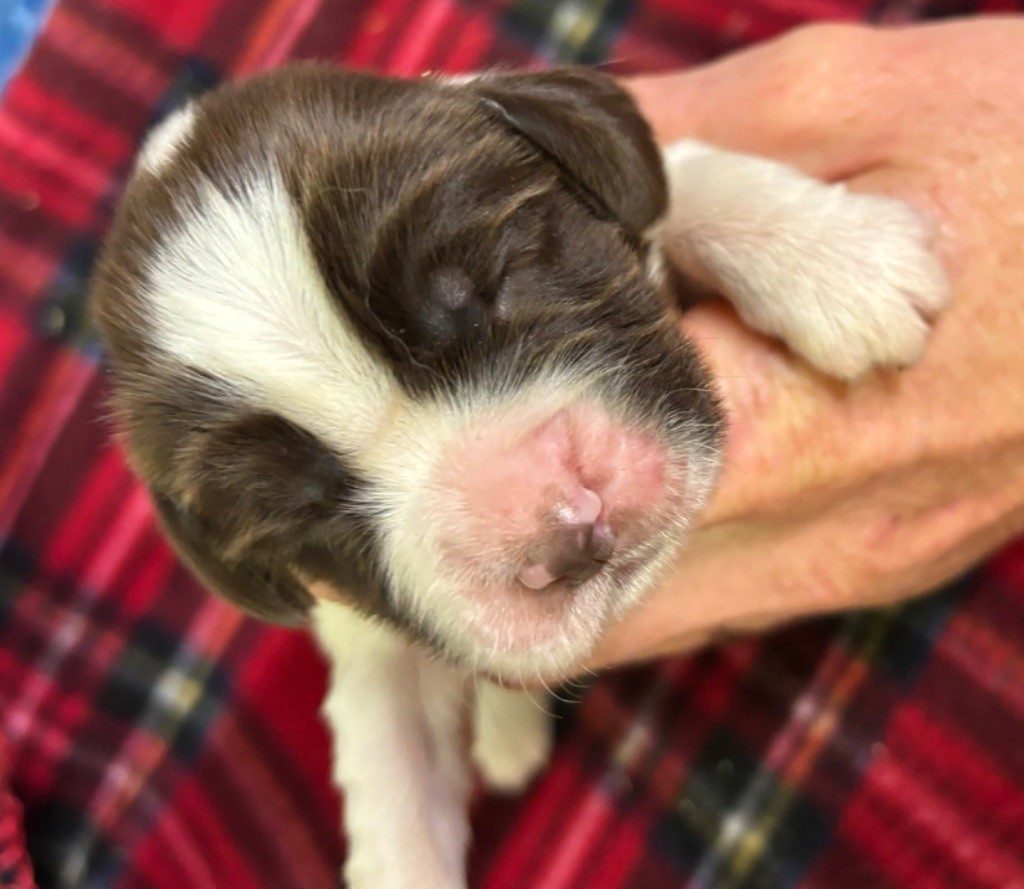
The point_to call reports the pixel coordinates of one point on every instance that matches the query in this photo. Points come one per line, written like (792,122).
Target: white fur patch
(166,138)
(397,718)
(235,291)
(846,280)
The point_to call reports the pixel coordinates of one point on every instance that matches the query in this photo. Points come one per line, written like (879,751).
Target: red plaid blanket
(154,738)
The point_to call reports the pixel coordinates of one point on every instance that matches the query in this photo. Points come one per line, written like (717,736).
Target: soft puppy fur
(413,342)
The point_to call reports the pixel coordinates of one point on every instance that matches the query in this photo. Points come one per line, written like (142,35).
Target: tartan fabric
(154,738)
(15,867)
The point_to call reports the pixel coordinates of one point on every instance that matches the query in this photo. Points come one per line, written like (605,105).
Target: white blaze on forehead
(236,292)
(166,138)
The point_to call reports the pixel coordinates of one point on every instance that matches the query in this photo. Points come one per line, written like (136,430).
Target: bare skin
(836,496)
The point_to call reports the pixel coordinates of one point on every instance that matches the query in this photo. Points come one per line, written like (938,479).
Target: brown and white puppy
(412,340)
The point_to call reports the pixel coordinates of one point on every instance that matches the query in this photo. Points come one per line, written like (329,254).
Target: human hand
(837,496)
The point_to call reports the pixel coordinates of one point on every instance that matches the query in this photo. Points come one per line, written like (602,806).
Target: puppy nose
(575,547)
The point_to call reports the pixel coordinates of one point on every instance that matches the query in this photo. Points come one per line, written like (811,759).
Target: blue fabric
(20,20)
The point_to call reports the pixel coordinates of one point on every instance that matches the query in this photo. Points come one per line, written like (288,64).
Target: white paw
(394,874)
(846,280)
(852,285)
(513,737)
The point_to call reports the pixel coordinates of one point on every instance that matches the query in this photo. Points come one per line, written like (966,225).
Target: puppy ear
(593,130)
(264,593)
(249,495)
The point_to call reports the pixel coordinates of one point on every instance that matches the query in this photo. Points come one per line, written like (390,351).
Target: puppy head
(399,337)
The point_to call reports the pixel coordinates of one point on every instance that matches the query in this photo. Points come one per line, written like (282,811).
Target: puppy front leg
(399,721)
(513,737)
(846,280)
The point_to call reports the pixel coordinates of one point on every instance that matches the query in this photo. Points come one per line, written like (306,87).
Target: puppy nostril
(573,552)
(535,576)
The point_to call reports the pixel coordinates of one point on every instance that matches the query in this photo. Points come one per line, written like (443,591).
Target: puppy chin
(519,642)
(515,636)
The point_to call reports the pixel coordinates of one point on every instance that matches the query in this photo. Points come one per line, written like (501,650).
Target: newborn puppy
(413,341)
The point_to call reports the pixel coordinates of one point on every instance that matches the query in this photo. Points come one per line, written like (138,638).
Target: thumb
(809,98)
